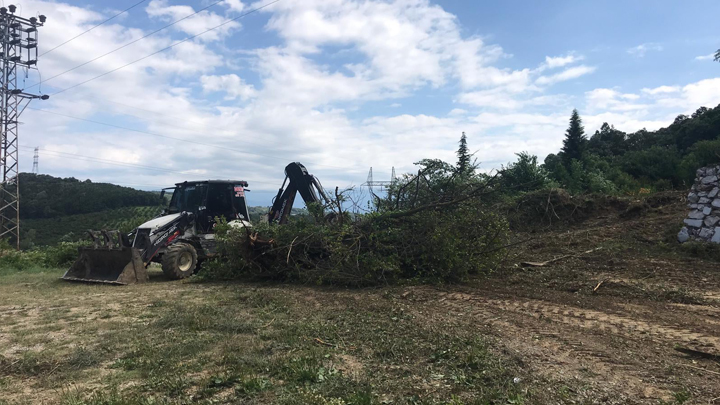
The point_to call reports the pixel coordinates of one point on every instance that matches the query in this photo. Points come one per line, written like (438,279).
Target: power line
(161,50)
(176,118)
(92,28)
(224,148)
(95,159)
(132,184)
(73,156)
(125,45)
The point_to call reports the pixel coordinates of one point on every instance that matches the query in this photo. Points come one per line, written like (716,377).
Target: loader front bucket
(107,261)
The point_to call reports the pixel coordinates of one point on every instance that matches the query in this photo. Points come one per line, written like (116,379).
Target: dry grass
(183,342)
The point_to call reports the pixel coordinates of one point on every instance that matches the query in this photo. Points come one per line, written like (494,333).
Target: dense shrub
(526,174)
(653,164)
(446,245)
(60,255)
(703,153)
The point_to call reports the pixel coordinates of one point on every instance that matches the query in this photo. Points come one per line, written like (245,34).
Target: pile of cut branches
(431,226)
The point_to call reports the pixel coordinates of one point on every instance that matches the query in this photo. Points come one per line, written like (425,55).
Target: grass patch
(204,317)
(174,343)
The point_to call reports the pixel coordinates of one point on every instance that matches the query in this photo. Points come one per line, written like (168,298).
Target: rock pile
(703,222)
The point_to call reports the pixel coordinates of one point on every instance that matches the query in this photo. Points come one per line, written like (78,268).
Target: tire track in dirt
(706,311)
(608,351)
(591,319)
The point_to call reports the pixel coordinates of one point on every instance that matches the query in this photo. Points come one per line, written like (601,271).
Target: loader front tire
(179,261)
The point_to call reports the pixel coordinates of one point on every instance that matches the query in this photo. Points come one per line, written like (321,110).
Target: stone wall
(703,222)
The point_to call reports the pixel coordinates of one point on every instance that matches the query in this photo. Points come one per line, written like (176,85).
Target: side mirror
(162,195)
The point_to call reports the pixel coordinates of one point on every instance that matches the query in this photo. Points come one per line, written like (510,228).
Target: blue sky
(344,85)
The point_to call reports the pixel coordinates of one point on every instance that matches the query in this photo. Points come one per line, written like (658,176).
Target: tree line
(612,161)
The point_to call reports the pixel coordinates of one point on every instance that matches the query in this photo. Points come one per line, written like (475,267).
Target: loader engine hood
(156,223)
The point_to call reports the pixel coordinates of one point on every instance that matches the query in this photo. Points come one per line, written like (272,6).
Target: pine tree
(575,140)
(463,164)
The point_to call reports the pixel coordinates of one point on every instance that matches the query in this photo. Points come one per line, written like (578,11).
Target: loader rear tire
(179,261)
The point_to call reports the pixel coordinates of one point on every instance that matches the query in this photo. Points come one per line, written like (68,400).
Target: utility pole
(19,50)
(36,156)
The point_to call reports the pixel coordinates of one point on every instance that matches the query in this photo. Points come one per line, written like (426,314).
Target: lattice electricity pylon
(36,157)
(19,41)
(370,183)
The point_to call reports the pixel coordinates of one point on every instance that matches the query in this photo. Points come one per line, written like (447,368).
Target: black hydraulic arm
(298,180)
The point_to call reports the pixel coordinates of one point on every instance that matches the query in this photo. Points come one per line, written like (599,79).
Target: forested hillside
(612,161)
(49,231)
(44,196)
(54,209)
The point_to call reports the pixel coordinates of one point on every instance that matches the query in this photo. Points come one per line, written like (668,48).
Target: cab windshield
(187,198)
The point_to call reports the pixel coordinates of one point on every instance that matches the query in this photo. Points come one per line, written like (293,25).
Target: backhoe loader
(182,237)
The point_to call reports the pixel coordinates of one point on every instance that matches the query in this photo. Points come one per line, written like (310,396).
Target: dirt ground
(628,317)
(633,317)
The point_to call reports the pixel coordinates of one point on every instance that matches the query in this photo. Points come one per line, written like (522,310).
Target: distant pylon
(370,183)
(35,160)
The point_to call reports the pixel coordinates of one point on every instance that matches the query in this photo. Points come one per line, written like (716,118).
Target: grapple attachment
(108,260)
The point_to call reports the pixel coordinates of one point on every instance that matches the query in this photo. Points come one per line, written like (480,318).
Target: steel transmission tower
(36,157)
(370,183)
(19,41)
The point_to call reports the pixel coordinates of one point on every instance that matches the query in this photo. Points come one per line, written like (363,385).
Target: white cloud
(702,93)
(567,74)
(196,24)
(234,5)
(640,50)
(233,86)
(705,57)
(653,108)
(186,58)
(294,79)
(406,43)
(661,90)
(629,121)
(560,61)
(457,111)
(496,98)
(610,99)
